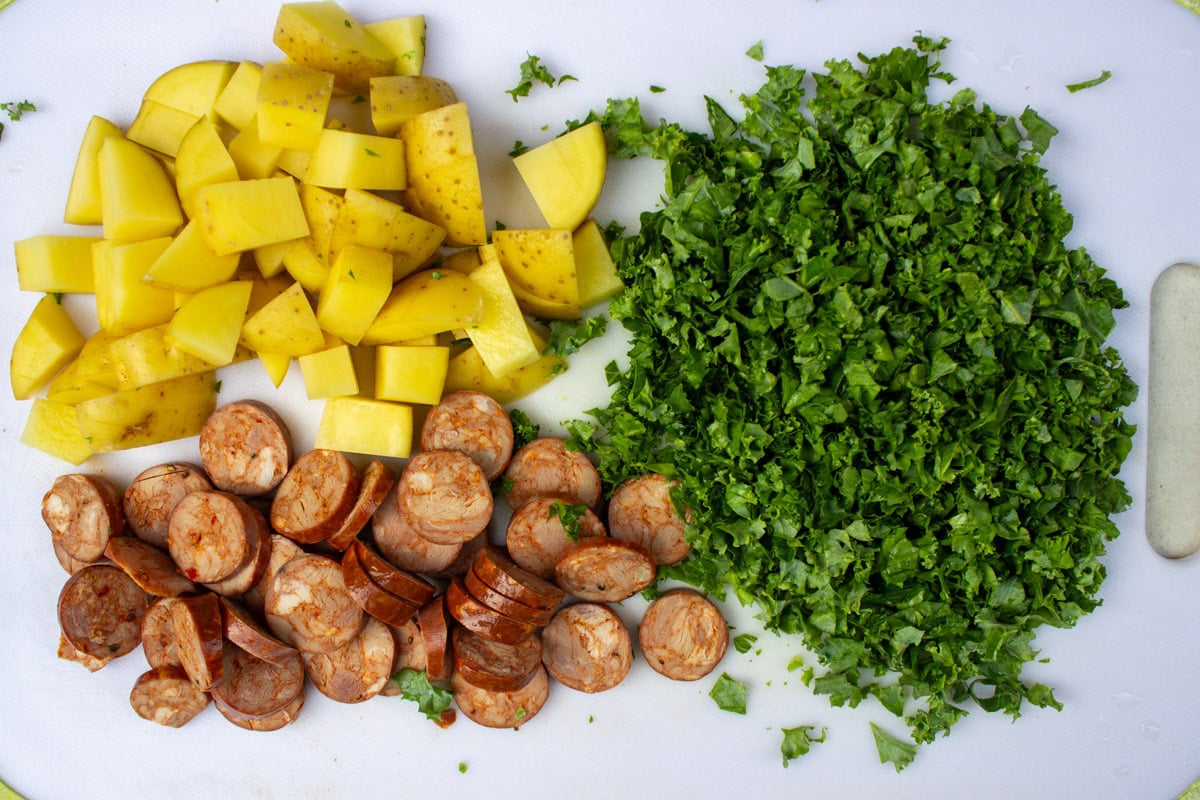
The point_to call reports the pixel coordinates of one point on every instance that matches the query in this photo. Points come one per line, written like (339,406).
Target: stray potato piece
(501,337)
(595,273)
(48,341)
(286,325)
(565,175)
(83,198)
(55,263)
(53,428)
(405,38)
(137,199)
(209,323)
(411,373)
(159,412)
(540,264)
(329,373)
(322,35)
(361,425)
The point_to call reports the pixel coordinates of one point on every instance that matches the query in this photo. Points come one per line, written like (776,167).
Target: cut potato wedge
(322,35)
(565,175)
(159,412)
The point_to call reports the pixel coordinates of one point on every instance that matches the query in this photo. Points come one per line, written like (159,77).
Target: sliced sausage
(487,622)
(83,512)
(401,544)
(255,687)
(271,722)
(683,635)
(252,569)
(604,569)
(377,480)
(587,647)
(153,494)
(71,565)
(370,596)
(494,665)
(357,671)
(536,534)
(403,584)
(546,467)
(410,654)
(209,535)
(199,639)
(641,511)
(435,638)
(151,568)
(444,496)
(283,549)
(100,611)
(474,423)
(166,696)
(245,448)
(244,630)
(315,497)
(495,568)
(501,709)
(505,605)
(158,634)
(308,607)
(67,652)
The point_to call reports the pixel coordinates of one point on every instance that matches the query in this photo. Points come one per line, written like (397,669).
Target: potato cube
(286,325)
(321,209)
(295,162)
(430,301)
(53,428)
(292,104)
(137,198)
(55,263)
(405,38)
(595,273)
(329,373)
(124,301)
(254,157)
(540,264)
(355,290)
(189,265)
(501,336)
(362,425)
(209,323)
(158,412)
(202,159)
(83,198)
(236,104)
(411,373)
(48,341)
(323,36)
(396,98)
(348,160)
(69,387)
(269,258)
(243,215)
(160,127)
(193,87)
(95,362)
(437,137)
(146,356)
(372,221)
(565,175)
(451,197)
(467,371)
(276,366)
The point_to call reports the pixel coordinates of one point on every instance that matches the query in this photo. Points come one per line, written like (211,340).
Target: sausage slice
(546,467)
(494,567)
(244,630)
(641,511)
(474,423)
(505,605)
(404,585)
(537,536)
(153,494)
(494,665)
(245,448)
(209,535)
(271,722)
(683,635)
(444,496)
(166,696)
(308,607)
(67,652)
(100,610)
(282,550)
(604,569)
(371,597)
(435,638)
(199,639)
(401,544)
(256,688)
(252,569)
(478,618)
(315,497)
(158,634)
(358,670)
(377,480)
(151,568)
(83,512)
(410,654)
(501,709)
(587,647)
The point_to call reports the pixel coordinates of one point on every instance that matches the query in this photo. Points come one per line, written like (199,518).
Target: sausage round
(315,497)
(587,647)
(536,536)
(370,596)
(282,549)
(249,634)
(435,638)
(604,569)
(100,610)
(252,569)
(683,635)
(474,423)
(257,688)
(153,494)
(245,448)
(150,568)
(501,709)
(67,652)
(271,722)
(308,607)
(166,696)
(407,587)
(410,654)
(505,605)
(546,467)
(483,620)
(83,512)
(494,665)
(158,634)
(641,511)
(401,544)
(71,565)
(209,535)
(444,496)
(357,671)
(199,639)
(494,567)
(377,480)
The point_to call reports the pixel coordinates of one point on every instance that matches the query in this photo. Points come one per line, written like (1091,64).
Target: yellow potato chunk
(193,87)
(501,336)
(160,127)
(83,198)
(348,160)
(202,159)
(137,198)
(286,325)
(595,272)
(321,210)
(540,264)
(355,290)
(209,323)
(238,101)
(254,158)
(323,36)
(276,366)
(405,38)
(46,343)
(269,258)
(396,98)
(411,373)
(363,425)
(372,221)
(329,373)
(293,101)
(309,270)
(55,263)
(189,265)
(467,371)
(158,412)
(565,175)
(95,362)
(243,215)
(146,356)
(437,137)
(69,387)
(53,428)
(451,197)
(426,302)
(124,301)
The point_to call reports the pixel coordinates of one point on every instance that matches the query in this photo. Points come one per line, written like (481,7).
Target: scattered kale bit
(899,753)
(798,741)
(430,698)
(856,314)
(462,767)
(3,5)
(15,109)
(1099,79)
(656,89)
(756,51)
(729,694)
(567,336)
(744,641)
(532,70)
(569,515)
(518,148)
(524,429)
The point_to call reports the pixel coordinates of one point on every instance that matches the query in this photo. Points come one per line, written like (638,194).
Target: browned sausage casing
(244,630)
(315,497)
(282,549)
(487,622)
(494,665)
(473,423)
(258,558)
(505,605)
(271,722)
(209,535)
(401,544)
(153,494)
(158,634)
(245,448)
(256,688)
(444,496)
(546,467)
(683,635)
(83,512)
(199,639)
(536,536)
(308,607)
(377,480)
(501,709)
(587,647)
(604,569)
(150,568)
(100,609)
(435,638)
(404,585)
(641,511)
(166,696)
(370,596)
(357,671)
(494,567)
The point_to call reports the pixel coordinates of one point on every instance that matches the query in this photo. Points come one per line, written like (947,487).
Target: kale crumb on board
(855,314)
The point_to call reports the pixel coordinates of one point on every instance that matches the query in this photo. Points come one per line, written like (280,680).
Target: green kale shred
(860,342)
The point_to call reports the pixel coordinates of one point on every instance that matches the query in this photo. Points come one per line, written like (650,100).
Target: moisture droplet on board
(1150,730)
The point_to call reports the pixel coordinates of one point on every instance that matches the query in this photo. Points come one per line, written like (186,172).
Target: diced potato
(329,373)
(159,412)
(450,196)
(295,162)
(355,290)
(48,341)
(348,160)
(237,102)
(467,371)
(309,270)
(137,198)
(209,323)
(362,425)
(202,159)
(264,290)
(430,301)
(372,221)
(243,215)
(405,38)
(269,258)
(285,326)
(396,98)
(160,127)
(95,362)
(124,301)
(192,87)
(253,157)
(437,137)
(69,387)
(146,356)
(540,264)
(501,337)
(565,175)
(83,198)
(189,265)
(411,373)
(323,36)
(53,428)
(55,263)
(465,261)
(595,272)
(276,366)
(293,101)
(321,210)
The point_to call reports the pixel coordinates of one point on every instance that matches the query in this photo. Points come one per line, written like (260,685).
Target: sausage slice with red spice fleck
(587,647)
(683,635)
(83,512)
(245,448)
